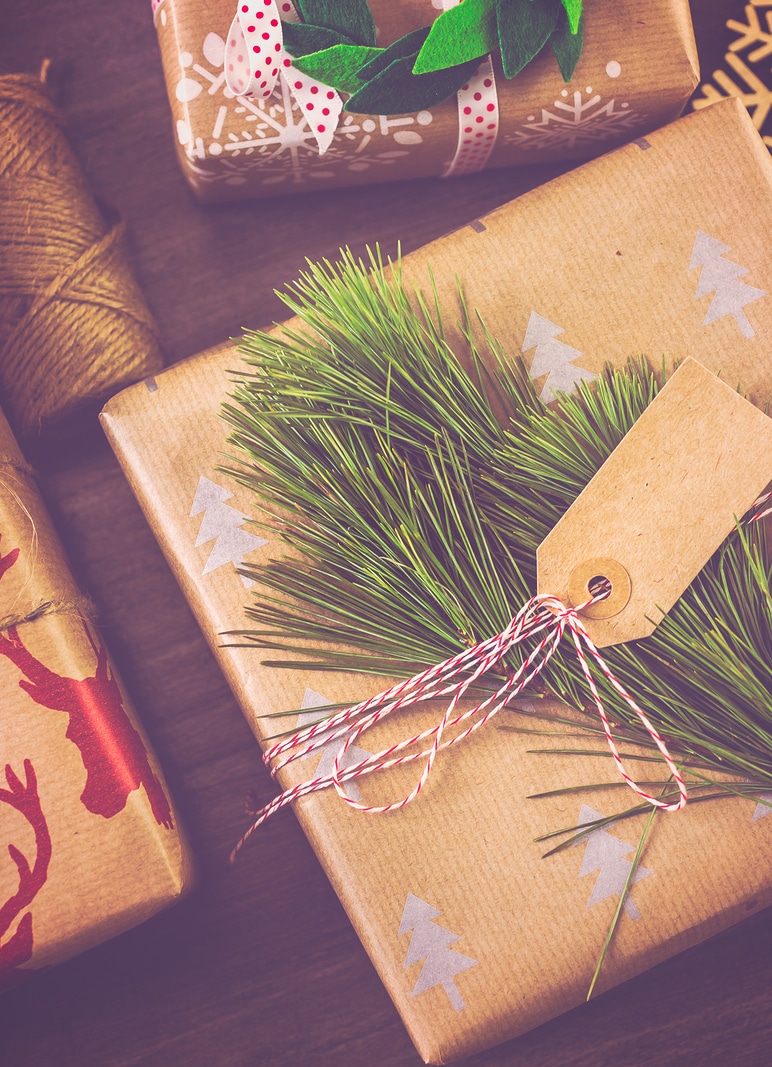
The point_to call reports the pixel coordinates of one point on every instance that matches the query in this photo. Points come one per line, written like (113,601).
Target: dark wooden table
(260,966)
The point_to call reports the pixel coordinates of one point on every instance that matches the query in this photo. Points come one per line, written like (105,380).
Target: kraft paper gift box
(636,73)
(91,843)
(476,936)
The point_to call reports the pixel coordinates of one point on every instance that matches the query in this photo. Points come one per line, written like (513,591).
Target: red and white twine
(544,617)
(757,515)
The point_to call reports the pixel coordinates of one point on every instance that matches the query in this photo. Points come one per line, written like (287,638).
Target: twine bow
(544,617)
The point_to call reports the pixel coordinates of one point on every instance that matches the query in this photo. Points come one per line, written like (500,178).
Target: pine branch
(412,485)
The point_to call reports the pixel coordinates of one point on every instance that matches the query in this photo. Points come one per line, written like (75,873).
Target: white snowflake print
(271,140)
(579,118)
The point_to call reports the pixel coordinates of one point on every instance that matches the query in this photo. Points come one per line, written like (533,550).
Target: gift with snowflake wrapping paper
(310,119)
(452,896)
(92,845)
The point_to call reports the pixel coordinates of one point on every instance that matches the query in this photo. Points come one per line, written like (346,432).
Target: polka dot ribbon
(478,118)
(478,122)
(255,59)
(544,618)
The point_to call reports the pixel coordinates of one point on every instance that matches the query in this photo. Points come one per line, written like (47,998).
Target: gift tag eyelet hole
(594,576)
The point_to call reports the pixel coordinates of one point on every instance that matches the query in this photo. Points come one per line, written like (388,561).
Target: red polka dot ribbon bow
(255,60)
(478,116)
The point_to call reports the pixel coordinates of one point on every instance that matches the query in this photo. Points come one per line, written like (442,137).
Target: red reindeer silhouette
(24,799)
(8,559)
(112,751)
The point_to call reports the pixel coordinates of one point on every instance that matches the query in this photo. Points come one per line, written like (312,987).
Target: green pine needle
(622,898)
(412,484)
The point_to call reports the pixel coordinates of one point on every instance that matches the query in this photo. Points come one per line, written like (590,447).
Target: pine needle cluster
(412,483)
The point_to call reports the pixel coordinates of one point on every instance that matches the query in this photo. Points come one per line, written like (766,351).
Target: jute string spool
(74,327)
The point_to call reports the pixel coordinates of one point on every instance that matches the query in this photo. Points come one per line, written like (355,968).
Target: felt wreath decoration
(335,44)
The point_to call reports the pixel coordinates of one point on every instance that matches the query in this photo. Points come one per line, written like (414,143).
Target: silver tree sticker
(553,358)
(430,942)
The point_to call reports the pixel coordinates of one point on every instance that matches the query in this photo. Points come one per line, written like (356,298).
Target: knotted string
(544,617)
(78,604)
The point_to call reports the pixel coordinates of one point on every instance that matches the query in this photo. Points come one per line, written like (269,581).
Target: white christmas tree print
(763,807)
(605,853)
(575,121)
(721,277)
(552,357)
(223,525)
(311,704)
(429,942)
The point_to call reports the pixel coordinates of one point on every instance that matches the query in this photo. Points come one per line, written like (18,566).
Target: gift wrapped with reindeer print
(92,841)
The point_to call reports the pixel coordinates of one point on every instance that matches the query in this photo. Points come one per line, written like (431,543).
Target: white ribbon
(478,122)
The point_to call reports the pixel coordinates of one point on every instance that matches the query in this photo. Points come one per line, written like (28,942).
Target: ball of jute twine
(74,327)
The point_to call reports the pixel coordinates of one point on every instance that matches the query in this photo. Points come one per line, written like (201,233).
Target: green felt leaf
(567,46)
(462,33)
(337,66)
(302,40)
(524,28)
(574,12)
(409,45)
(397,91)
(353,18)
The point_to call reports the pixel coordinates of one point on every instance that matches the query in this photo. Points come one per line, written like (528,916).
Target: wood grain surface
(260,966)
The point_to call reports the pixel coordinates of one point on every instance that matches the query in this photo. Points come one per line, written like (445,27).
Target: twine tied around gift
(82,606)
(543,617)
(73,324)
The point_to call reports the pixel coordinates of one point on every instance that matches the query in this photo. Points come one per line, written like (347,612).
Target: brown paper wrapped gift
(475,935)
(636,73)
(91,844)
